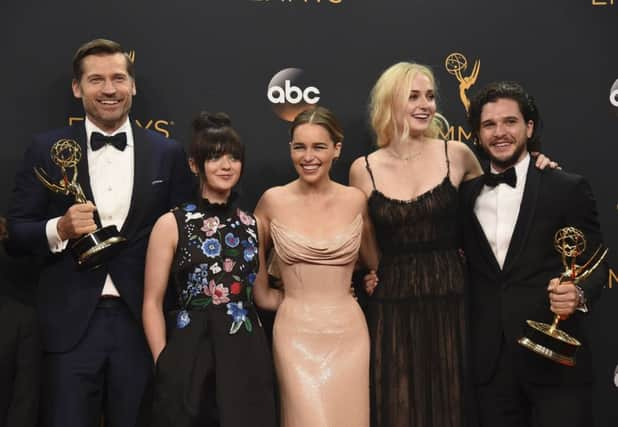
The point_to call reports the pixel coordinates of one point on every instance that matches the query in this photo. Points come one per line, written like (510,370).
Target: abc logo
(290,94)
(613,94)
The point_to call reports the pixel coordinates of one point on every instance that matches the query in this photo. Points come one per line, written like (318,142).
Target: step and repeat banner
(260,61)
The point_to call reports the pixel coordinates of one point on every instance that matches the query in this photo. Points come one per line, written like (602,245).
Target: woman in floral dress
(213,367)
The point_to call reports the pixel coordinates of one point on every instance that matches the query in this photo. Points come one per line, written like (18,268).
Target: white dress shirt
(111,181)
(497,209)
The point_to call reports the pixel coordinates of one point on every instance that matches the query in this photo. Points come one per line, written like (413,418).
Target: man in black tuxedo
(96,359)
(509,222)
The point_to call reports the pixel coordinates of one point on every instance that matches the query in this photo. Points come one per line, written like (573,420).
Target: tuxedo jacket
(501,300)
(20,355)
(66,298)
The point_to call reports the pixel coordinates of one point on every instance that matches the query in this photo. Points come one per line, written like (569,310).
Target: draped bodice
(312,268)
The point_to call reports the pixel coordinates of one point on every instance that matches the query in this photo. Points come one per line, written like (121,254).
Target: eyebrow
(309,143)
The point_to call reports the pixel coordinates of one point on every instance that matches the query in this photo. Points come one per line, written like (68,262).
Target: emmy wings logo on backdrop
(613,97)
(158,125)
(289,93)
(456,64)
(328,2)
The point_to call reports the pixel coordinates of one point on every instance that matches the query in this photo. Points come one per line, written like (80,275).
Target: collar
(521,169)
(219,208)
(125,127)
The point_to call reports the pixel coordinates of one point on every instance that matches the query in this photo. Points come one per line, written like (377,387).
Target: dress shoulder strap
(369,170)
(448,163)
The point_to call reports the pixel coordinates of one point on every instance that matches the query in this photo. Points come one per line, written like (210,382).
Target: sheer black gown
(416,314)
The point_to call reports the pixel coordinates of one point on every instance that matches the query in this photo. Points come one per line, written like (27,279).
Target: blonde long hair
(390,94)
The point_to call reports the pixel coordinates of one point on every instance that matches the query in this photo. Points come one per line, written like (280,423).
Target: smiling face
(420,107)
(106,90)
(313,151)
(504,133)
(220,174)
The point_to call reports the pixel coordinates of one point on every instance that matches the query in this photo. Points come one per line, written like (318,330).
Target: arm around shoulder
(464,161)
(359,176)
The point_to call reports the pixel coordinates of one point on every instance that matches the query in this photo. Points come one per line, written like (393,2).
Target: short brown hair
(96,47)
(319,116)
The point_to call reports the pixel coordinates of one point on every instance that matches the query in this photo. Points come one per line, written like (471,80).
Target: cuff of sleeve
(581,306)
(56,244)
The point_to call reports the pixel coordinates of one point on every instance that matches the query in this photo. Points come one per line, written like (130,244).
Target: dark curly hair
(510,90)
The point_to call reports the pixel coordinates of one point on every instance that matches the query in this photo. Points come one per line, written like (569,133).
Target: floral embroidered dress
(216,369)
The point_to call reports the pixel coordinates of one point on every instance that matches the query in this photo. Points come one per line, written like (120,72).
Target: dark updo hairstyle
(213,137)
(319,116)
(507,90)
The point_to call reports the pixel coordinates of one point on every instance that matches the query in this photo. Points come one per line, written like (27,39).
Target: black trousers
(104,375)
(509,401)
(206,377)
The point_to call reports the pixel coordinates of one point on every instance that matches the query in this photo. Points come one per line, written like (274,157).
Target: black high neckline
(214,208)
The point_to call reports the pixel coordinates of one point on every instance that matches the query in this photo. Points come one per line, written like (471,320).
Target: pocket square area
(157,181)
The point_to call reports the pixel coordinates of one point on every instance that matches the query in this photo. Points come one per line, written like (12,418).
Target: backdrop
(259,60)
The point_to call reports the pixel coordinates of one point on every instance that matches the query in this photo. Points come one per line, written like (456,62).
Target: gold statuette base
(550,342)
(95,249)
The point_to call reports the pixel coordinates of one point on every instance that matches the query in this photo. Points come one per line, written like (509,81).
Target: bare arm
(369,247)
(161,248)
(471,165)
(265,296)
(359,176)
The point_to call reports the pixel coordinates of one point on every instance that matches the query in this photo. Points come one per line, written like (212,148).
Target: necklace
(409,156)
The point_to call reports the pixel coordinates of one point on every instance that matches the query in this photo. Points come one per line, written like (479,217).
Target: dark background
(220,55)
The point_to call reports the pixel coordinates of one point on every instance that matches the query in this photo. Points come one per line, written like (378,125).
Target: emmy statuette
(547,340)
(93,249)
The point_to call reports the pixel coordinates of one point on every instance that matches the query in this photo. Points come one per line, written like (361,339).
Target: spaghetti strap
(369,170)
(448,163)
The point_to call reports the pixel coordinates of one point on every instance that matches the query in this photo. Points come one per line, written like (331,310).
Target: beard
(510,161)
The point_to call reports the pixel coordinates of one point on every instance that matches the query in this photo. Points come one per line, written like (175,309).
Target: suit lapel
(141,155)
(524,219)
(79,135)
(483,245)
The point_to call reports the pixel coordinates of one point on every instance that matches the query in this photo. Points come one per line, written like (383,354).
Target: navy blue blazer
(501,300)
(66,298)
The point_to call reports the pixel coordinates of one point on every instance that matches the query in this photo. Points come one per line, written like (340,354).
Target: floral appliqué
(219,261)
(218,293)
(239,317)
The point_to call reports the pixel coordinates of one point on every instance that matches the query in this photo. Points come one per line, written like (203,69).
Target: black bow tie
(98,140)
(507,177)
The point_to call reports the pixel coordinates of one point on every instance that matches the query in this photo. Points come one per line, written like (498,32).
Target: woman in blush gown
(320,338)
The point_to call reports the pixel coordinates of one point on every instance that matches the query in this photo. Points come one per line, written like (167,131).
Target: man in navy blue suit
(96,359)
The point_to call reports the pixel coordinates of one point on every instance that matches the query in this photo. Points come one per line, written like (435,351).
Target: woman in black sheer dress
(416,314)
